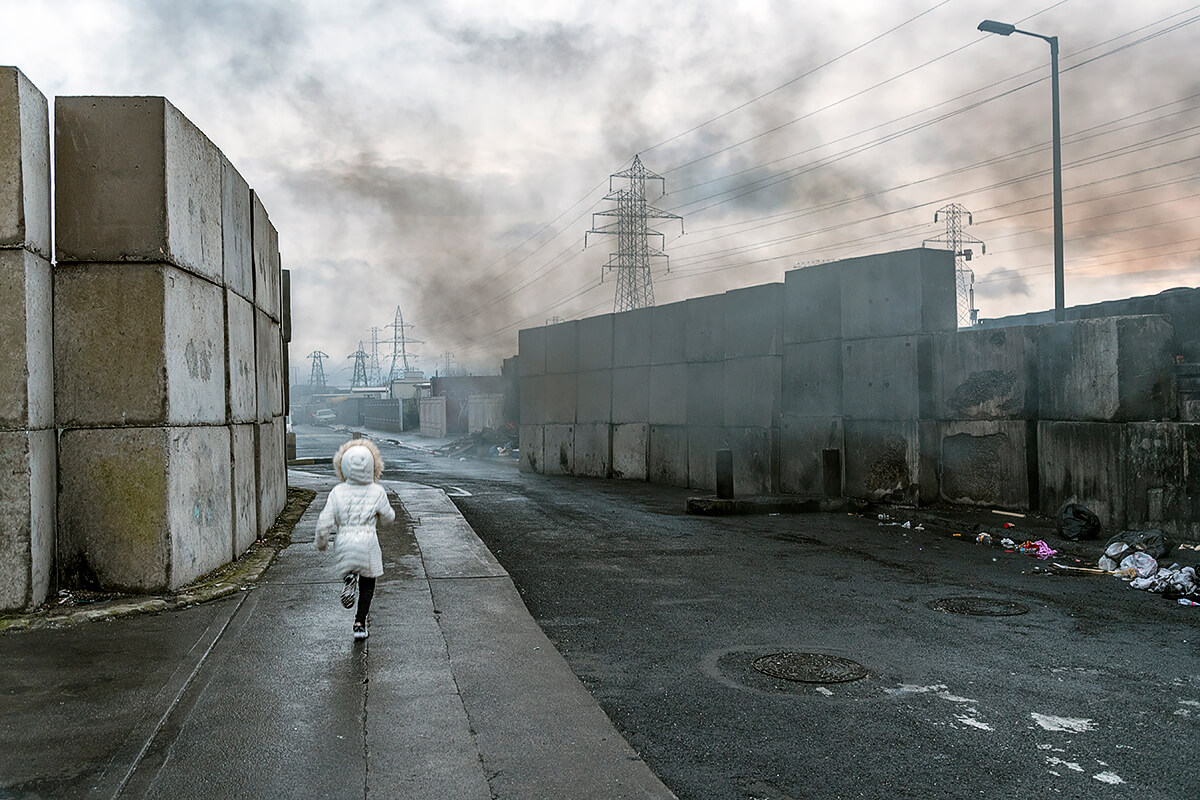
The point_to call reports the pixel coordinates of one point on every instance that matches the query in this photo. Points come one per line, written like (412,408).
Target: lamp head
(991,26)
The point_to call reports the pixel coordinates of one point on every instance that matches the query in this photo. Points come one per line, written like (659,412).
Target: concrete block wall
(851,379)
(168,346)
(27,437)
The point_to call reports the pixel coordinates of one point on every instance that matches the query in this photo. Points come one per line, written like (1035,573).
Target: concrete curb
(239,576)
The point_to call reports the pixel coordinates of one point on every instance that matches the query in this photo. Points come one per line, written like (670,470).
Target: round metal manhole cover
(810,668)
(978,606)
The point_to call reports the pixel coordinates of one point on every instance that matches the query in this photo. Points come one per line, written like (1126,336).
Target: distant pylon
(635,288)
(964,277)
(316,378)
(360,366)
(400,343)
(373,368)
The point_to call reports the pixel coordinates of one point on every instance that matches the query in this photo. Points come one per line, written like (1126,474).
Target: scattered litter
(1143,564)
(824,691)
(1108,777)
(1052,723)
(1008,513)
(1077,522)
(974,723)
(1039,549)
(1008,543)
(1009,525)
(1183,601)
(983,538)
(1071,765)
(1154,543)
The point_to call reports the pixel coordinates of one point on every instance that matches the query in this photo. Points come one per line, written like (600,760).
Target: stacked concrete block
(27,439)
(666,444)
(145,457)
(594,397)
(811,459)
(891,304)
(1118,369)
(561,391)
(985,399)
(753,339)
(270,439)
(531,373)
(705,352)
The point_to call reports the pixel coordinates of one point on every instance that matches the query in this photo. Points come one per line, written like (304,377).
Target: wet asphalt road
(1094,692)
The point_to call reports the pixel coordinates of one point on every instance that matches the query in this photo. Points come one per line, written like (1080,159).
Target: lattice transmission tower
(316,378)
(964,276)
(360,357)
(400,343)
(635,288)
(373,368)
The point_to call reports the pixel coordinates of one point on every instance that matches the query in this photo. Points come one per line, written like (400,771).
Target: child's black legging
(366,590)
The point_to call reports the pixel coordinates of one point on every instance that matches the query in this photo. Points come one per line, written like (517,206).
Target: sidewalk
(456,694)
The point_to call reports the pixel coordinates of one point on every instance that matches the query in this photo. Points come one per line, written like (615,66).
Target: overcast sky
(446,157)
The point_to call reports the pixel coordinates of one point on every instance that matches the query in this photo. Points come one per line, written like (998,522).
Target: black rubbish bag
(1077,522)
(1153,542)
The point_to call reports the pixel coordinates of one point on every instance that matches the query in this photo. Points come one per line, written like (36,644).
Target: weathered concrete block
(1117,369)
(143,509)
(667,457)
(24,164)
(985,374)
(135,181)
(243,455)
(242,383)
(703,441)
(285,308)
(705,328)
(533,400)
(137,345)
(268,359)
(596,343)
(1083,462)
(558,454)
(812,304)
(754,321)
(237,236)
(630,448)
(271,471)
(532,439)
(755,459)
(631,394)
(891,460)
(811,381)
(27,517)
(594,396)
(531,347)
(706,393)
(668,394)
(668,334)
(264,253)
(561,393)
(1163,472)
(562,348)
(752,391)
(897,294)
(811,455)
(593,450)
(26,355)
(888,378)
(988,463)
(631,337)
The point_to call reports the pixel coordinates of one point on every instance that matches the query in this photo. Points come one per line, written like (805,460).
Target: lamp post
(1005,29)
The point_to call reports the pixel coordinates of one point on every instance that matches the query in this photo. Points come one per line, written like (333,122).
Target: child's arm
(384,508)
(326,522)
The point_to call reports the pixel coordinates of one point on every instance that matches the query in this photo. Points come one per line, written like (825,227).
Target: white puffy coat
(353,508)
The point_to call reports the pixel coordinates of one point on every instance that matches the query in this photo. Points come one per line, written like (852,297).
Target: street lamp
(1004,29)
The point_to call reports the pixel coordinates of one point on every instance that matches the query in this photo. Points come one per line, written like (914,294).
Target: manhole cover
(810,667)
(978,606)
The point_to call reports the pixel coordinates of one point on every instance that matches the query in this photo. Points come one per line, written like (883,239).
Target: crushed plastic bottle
(1183,601)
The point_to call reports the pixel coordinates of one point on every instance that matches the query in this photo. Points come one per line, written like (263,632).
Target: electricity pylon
(316,378)
(635,288)
(360,366)
(400,343)
(964,277)
(373,368)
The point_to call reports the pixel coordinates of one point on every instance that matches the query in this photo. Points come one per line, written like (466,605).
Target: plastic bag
(1144,563)
(1077,522)
(1153,542)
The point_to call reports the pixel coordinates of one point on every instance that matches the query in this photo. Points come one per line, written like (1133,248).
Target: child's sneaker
(348,590)
(360,630)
